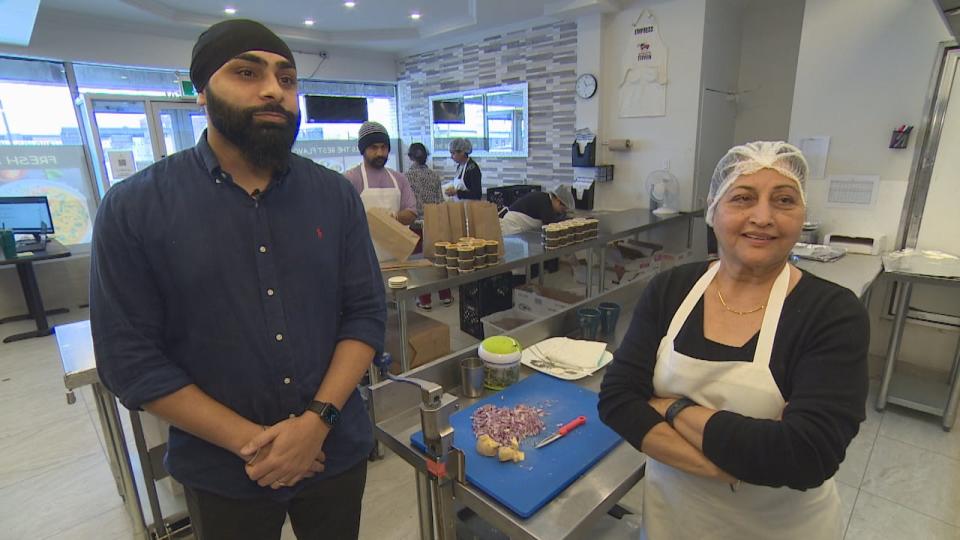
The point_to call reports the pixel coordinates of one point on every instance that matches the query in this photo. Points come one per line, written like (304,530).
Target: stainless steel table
(576,509)
(521,251)
(937,397)
(855,272)
(80,369)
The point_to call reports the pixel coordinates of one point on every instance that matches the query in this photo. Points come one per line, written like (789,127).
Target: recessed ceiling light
(415,16)
(349,4)
(230,11)
(308,22)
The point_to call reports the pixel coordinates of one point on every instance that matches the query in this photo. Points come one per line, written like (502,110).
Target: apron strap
(691,301)
(771,318)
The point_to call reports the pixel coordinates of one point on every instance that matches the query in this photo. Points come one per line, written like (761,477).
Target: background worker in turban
(235,294)
(380,186)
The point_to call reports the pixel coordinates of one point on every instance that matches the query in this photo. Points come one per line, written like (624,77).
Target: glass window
(40,147)
(100,79)
(335,145)
(493,119)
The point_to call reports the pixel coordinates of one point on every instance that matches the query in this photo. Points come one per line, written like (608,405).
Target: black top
(819,362)
(195,281)
(472,179)
(537,204)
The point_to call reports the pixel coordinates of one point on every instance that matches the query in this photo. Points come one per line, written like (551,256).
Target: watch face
(586,86)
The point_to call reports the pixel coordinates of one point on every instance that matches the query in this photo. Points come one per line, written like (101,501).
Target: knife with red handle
(567,428)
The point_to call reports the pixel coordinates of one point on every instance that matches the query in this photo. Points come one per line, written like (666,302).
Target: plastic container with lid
(501,361)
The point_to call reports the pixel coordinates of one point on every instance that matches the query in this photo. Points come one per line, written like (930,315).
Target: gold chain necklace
(737,312)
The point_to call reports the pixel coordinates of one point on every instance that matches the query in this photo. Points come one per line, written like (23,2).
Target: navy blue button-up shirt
(195,281)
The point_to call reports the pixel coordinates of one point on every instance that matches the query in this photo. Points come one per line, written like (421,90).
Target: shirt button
(286,380)
(292,415)
(279,337)
(269,292)
(263,249)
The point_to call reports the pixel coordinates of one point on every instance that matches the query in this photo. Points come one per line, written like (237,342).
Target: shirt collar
(209,160)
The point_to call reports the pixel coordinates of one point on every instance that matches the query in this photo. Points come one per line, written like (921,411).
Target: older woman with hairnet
(537,208)
(743,380)
(466,184)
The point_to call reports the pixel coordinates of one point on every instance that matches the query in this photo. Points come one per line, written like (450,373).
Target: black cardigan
(819,362)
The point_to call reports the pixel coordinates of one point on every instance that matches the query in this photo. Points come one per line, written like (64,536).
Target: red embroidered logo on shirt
(319,233)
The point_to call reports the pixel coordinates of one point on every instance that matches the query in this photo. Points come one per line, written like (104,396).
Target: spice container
(466,265)
(501,361)
(452,260)
(440,248)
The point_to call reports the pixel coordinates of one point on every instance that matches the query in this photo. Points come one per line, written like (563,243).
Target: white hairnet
(461,145)
(749,158)
(564,193)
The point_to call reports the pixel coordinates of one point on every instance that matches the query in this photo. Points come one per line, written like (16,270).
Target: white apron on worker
(385,198)
(456,183)
(679,505)
(518,222)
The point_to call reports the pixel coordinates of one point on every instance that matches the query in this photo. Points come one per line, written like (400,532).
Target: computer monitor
(26,215)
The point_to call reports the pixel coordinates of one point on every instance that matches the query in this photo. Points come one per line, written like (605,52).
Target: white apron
(678,505)
(518,222)
(456,183)
(386,198)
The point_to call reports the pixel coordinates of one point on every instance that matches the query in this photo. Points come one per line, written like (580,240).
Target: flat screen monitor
(26,215)
(336,109)
(448,112)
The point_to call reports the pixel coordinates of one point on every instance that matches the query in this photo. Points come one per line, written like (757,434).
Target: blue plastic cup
(589,321)
(609,313)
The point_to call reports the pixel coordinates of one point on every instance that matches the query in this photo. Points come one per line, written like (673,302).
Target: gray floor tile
(918,479)
(848,497)
(923,430)
(58,499)
(875,518)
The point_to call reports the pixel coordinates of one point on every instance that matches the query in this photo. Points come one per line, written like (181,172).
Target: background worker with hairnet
(536,209)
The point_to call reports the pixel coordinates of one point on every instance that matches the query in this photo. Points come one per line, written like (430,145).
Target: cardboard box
(542,301)
(502,322)
(427,339)
(392,236)
(670,259)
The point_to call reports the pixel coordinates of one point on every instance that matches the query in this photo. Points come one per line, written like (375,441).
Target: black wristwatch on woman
(674,409)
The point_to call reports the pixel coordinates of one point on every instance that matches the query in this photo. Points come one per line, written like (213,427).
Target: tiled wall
(545,57)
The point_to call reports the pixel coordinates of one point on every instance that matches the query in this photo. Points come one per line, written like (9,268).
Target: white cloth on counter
(572,352)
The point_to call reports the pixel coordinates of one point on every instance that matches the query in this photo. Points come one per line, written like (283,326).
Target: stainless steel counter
(80,369)
(521,251)
(853,271)
(576,509)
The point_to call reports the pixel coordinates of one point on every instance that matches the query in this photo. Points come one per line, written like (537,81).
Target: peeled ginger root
(511,453)
(486,446)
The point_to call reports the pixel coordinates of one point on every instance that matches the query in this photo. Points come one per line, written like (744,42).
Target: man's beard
(266,145)
(377,162)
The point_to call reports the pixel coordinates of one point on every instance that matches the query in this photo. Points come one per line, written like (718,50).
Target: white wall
(60,36)
(722,36)
(657,140)
(863,69)
(768,69)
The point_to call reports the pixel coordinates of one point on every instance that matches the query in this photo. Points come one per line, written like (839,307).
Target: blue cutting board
(527,486)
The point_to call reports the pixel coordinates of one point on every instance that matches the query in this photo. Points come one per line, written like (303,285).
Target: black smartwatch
(674,409)
(326,411)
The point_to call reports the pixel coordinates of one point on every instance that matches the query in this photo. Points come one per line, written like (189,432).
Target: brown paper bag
(436,223)
(391,235)
(484,222)
(448,222)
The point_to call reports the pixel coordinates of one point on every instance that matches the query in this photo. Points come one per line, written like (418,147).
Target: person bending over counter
(743,380)
(537,208)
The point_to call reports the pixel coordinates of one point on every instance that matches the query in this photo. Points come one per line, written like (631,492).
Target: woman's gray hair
(461,145)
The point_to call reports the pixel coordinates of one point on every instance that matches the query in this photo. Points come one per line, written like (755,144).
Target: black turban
(228,39)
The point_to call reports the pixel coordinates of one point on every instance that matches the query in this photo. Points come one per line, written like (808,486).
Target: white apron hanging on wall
(643,86)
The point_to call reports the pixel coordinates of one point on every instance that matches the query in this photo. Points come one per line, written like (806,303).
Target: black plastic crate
(481,298)
(504,196)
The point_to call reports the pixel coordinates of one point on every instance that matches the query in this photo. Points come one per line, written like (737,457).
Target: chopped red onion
(505,423)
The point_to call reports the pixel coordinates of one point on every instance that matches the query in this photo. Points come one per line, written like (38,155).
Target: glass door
(130,133)
(181,125)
